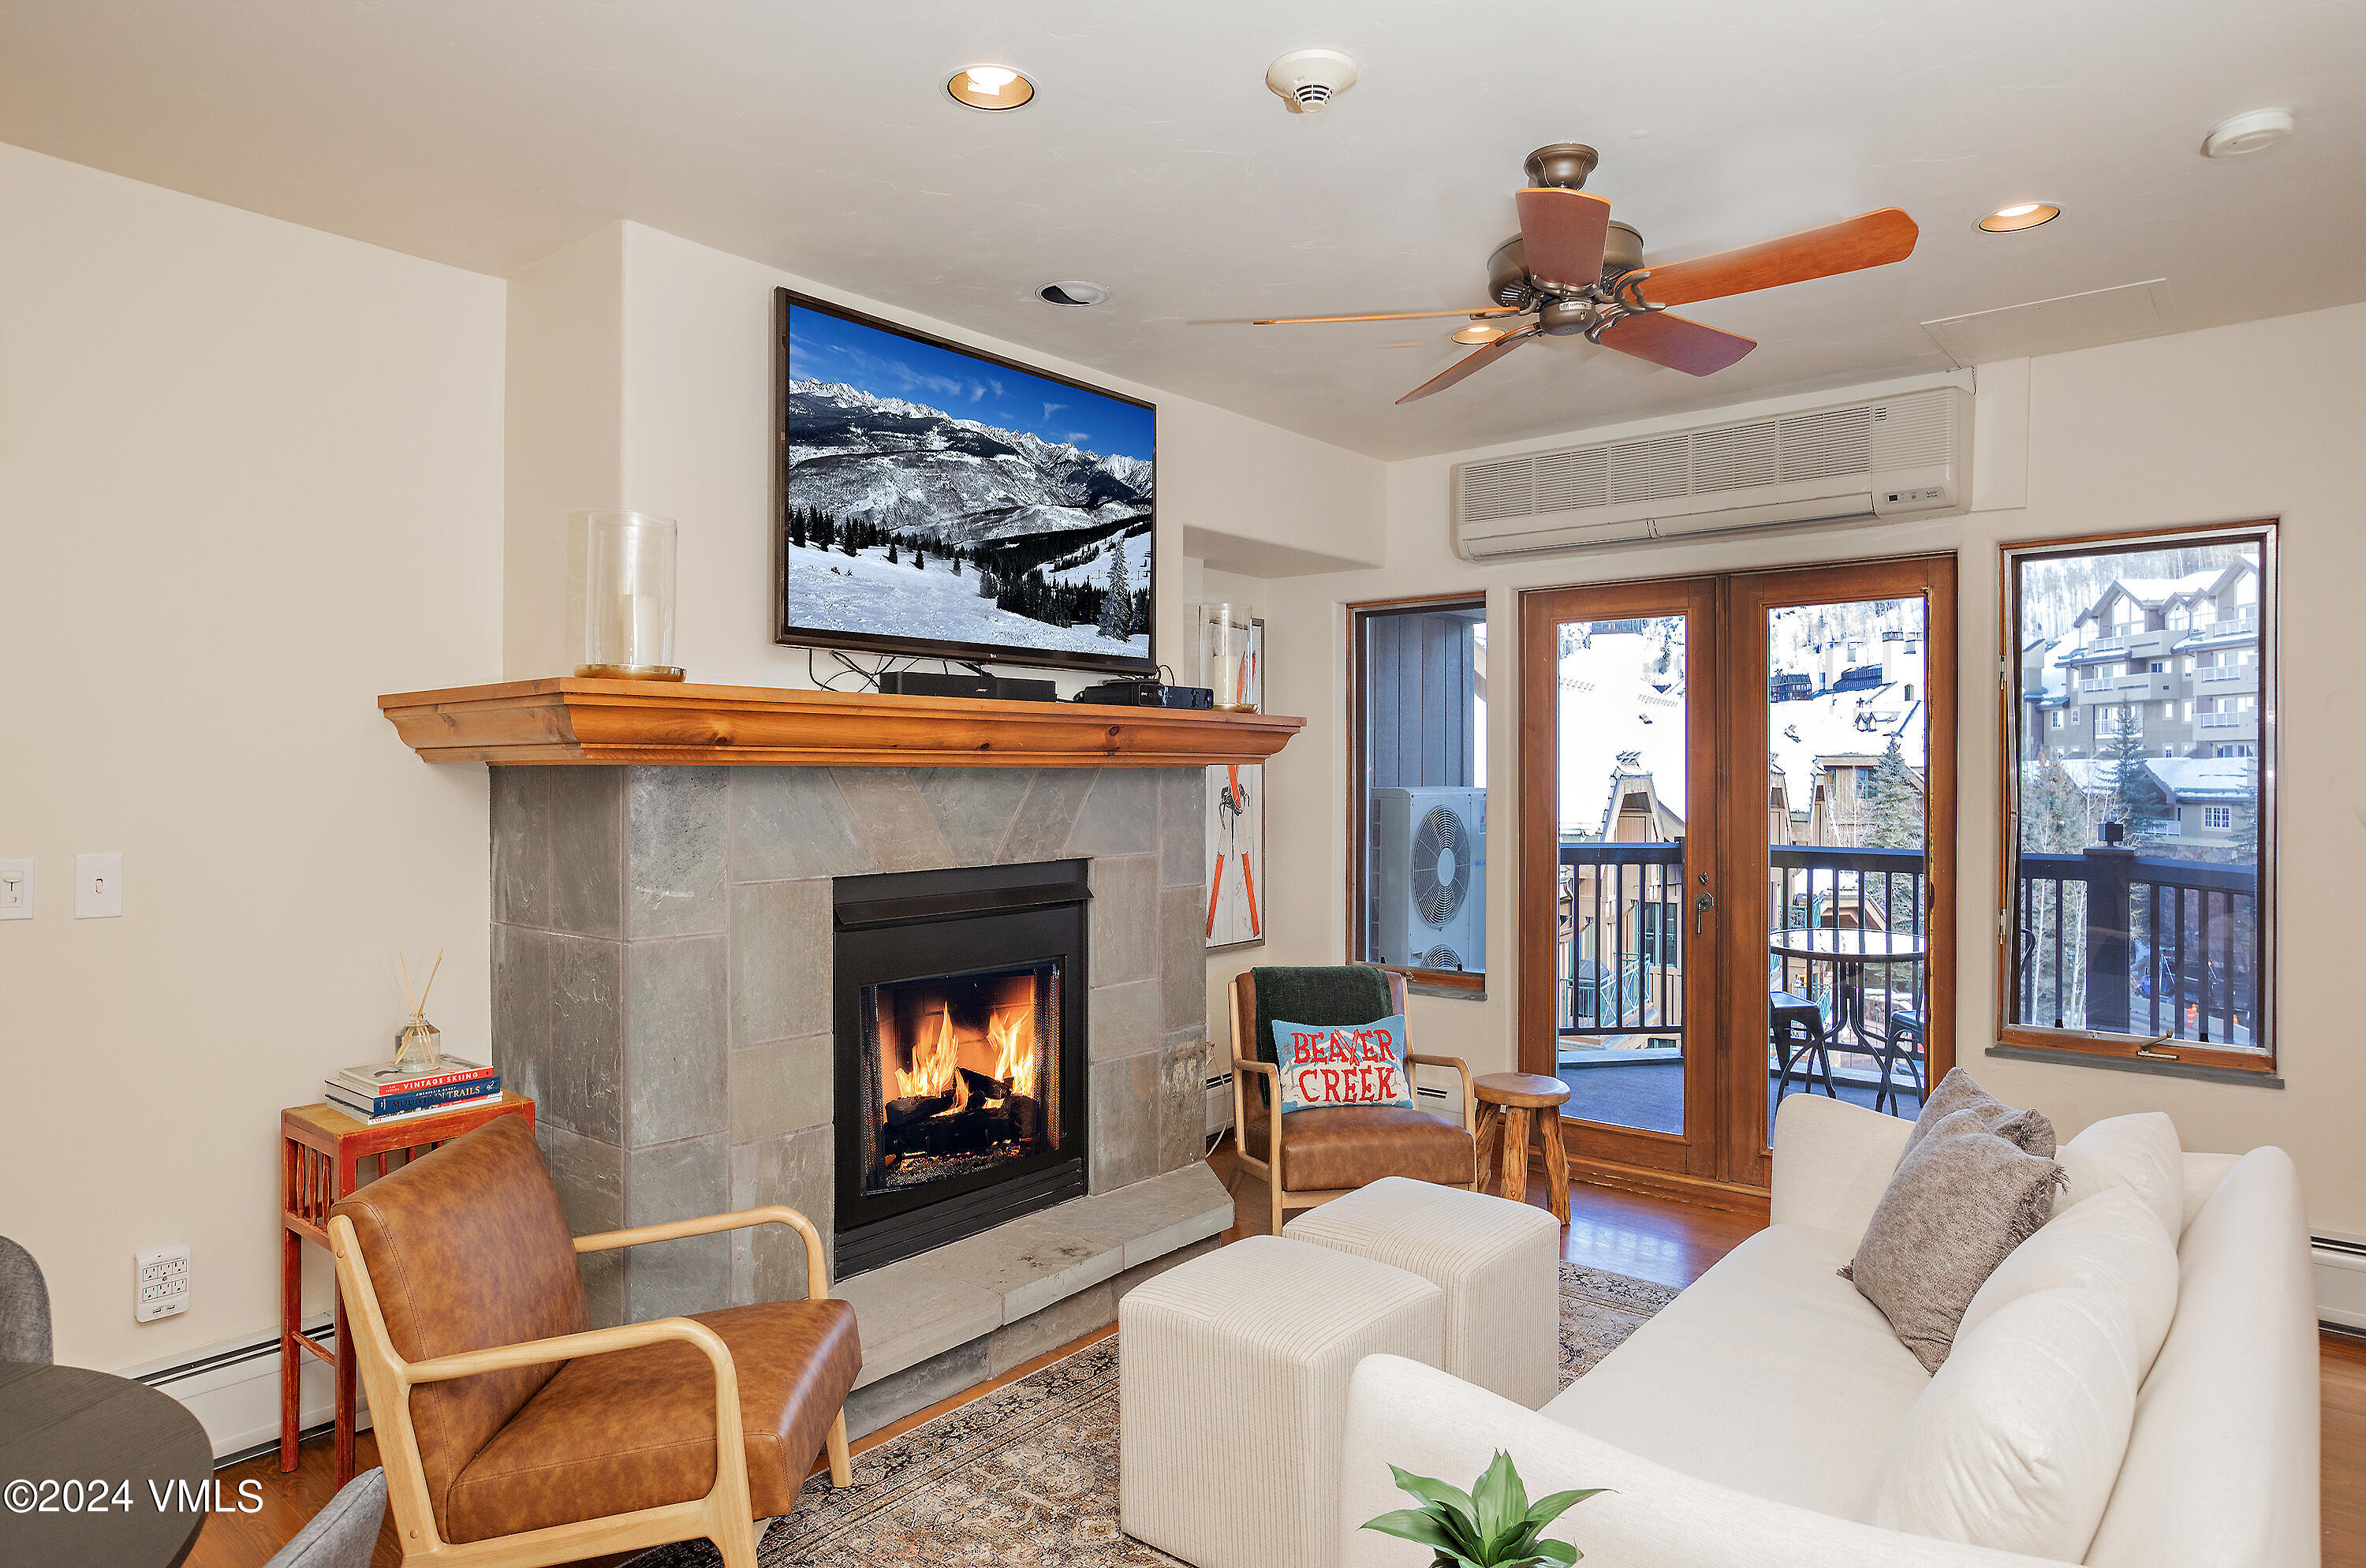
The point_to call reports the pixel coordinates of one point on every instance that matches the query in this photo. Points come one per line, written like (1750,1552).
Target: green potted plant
(1494,1525)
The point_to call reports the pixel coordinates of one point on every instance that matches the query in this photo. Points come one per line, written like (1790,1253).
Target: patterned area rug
(1028,1474)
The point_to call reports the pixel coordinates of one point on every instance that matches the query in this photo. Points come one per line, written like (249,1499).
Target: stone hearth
(661,987)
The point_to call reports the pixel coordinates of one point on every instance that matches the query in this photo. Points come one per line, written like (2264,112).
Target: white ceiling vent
(1903,457)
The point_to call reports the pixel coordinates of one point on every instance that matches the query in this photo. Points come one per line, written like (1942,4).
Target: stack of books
(376,1092)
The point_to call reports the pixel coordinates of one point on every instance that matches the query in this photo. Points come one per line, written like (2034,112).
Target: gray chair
(343,1534)
(24,1306)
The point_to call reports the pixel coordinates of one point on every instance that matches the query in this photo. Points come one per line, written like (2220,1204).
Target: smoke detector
(1307,79)
(1072,291)
(2246,135)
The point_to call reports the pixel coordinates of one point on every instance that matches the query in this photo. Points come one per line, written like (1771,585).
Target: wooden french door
(1736,855)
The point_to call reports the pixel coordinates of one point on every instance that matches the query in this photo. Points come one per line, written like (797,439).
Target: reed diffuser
(418,1045)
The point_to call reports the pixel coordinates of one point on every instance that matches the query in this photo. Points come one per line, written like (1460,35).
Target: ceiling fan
(1574,270)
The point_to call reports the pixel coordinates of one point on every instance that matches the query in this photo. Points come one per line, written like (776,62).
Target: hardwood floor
(1649,1238)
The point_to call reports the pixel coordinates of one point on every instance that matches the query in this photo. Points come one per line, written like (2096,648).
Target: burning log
(916,1107)
(984,1088)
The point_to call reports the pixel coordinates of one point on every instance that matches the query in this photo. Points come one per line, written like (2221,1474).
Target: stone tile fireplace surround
(662,988)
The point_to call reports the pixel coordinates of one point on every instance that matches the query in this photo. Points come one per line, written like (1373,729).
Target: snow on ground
(1096,571)
(864,593)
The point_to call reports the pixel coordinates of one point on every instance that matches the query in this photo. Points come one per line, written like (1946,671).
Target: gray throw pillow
(1961,1200)
(2028,1130)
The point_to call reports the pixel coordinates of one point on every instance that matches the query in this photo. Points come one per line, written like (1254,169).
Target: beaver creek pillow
(1359,1064)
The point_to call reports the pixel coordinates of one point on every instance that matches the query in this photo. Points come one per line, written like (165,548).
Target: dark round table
(97,1468)
(1851,952)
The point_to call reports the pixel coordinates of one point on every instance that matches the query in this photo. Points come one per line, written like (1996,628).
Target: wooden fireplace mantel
(571,721)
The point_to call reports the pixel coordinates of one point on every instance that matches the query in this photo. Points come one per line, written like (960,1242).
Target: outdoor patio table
(1849,952)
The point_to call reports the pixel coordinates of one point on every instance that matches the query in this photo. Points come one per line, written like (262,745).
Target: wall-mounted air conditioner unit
(1908,456)
(1430,867)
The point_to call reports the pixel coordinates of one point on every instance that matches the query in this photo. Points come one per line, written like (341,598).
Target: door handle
(1701,906)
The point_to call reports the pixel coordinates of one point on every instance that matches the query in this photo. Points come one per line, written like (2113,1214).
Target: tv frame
(786,634)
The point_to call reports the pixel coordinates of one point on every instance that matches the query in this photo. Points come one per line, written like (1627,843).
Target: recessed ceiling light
(990,87)
(1072,291)
(2020,215)
(1478,331)
(2258,130)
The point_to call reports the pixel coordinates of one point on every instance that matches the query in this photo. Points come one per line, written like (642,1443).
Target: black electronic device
(1026,689)
(936,684)
(1147,695)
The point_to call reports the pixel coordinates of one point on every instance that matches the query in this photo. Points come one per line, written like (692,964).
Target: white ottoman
(1498,1262)
(1233,1382)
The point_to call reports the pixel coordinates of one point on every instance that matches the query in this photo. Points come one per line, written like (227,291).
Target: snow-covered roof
(1800,734)
(1611,694)
(2237,635)
(2184,778)
(2152,592)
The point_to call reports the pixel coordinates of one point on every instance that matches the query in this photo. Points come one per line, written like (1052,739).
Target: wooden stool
(1506,1102)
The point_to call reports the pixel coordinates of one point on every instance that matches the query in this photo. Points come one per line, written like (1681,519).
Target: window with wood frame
(1417,791)
(2137,904)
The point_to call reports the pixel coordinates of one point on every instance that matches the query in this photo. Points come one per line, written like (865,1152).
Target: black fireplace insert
(961,1056)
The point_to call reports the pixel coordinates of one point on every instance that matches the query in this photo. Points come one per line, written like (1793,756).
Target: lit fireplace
(967,1063)
(961,1070)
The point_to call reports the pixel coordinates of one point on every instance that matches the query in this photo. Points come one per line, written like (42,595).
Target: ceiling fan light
(2020,215)
(989,88)
(1478,333)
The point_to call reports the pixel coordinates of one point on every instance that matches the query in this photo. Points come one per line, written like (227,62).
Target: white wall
(694,331)
(250,478)
(2242,422)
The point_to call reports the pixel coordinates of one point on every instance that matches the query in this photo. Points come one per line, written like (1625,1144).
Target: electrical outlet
(161,1282)
(17,890)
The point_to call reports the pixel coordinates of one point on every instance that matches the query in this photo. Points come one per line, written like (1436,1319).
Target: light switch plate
(99,886)
(17,890)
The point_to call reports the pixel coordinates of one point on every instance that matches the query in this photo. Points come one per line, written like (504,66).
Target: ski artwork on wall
(1236,854)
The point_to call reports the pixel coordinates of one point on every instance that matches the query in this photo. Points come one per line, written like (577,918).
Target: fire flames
(935,1064)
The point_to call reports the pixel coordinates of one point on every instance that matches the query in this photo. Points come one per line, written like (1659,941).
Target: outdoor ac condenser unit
(1429,878)
(1908,456)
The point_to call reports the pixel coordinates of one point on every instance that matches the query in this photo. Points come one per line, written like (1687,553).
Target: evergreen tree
(1894,810)
(2136,801)
(825,530)
(957,561)
(2245,820)
(920,560)
(797,527)
(891,553)
(1117,602)
(2053,813)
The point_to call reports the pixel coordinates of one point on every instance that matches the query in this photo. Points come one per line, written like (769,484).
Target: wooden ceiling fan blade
(1562,233)
(1870,238)
(1478,360)
(1677,343)
(1475,313)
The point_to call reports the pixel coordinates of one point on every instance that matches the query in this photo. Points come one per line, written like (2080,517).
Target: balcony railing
(2225,720)
(2112,939)
(2124,944)
(1625,920)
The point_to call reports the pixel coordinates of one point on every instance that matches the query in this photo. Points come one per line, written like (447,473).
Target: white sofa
(1740,1426)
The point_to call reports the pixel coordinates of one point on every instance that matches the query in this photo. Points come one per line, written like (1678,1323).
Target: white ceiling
(817,138)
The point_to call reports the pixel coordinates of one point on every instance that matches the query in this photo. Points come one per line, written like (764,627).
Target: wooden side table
(321,1153)
(1507,1103)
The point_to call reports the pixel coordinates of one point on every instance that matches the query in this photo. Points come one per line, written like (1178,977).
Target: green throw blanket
(1326,994)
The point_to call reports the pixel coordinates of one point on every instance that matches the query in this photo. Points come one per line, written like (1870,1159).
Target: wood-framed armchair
(1307,1158)
(512,1433)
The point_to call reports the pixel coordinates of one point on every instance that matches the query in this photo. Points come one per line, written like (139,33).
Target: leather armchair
(512,1432)
(1307,1158)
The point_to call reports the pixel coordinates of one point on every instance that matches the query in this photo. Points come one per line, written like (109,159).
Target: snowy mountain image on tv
(940,502)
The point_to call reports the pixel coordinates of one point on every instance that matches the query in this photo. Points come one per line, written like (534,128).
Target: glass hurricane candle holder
(628,595)
(1231,655)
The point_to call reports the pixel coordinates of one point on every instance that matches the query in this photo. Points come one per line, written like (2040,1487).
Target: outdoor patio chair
(1902,1040)
(1796,1025)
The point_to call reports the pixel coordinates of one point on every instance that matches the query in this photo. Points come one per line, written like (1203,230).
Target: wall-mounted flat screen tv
(939,502)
